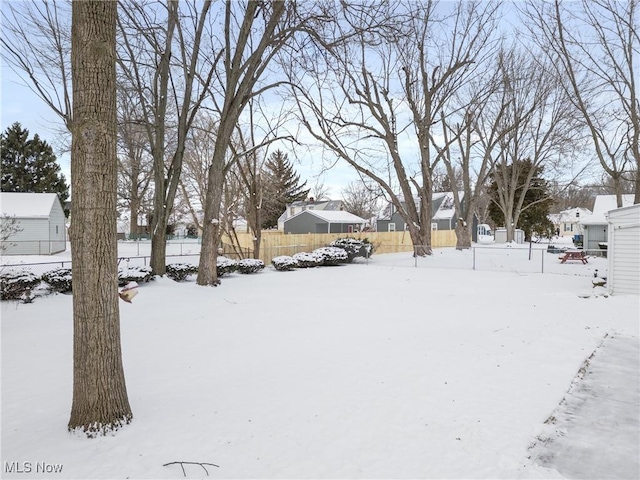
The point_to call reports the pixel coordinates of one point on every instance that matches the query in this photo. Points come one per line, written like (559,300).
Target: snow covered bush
(140,274)
(249,265)
(17,284)
(180,271)
(284,263)
(354,247)
(307,260)
(331,255)
(225,265)
(59,280)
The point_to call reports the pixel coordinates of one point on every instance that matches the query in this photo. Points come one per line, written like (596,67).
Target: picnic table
(579,255)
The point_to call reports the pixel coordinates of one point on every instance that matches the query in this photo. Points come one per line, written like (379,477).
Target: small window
(434,226)
(392,227)
(56,229)
(577,214)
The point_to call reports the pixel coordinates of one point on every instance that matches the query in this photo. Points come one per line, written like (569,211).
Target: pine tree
(281,187)
(537,203)
(30,165)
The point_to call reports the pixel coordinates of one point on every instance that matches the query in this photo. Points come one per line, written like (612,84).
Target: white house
(595,225)
(568,221)
(624,251)
(40,220)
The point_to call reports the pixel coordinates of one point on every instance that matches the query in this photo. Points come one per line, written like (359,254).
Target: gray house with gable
(444,216)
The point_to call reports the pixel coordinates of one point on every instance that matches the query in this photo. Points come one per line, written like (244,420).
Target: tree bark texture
(100,402)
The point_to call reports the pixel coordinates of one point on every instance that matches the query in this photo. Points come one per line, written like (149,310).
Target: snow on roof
(604,204)
(27,205)
(447,206)
(334,216)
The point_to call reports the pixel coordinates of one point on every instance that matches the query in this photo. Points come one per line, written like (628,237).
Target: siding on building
(310,221)
(42,222)
(624,251)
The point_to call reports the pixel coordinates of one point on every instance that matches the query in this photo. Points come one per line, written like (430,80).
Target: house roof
(332,216)
(570,215)
(27,205)
(604,204)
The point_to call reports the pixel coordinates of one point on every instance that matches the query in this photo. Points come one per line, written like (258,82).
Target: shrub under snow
(284,263)
(225,265)
(354,247)
(59,280)
(17,284)
(250,265)
(140,274)
(307,260)
(180,271)
(331,255)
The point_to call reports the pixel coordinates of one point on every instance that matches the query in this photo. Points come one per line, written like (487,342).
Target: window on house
(391,227)
(56,229)
(577,214)
(434,226)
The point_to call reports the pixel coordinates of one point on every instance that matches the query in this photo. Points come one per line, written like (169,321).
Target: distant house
(444,215)
(624,251)
(41,221)
(321,221)
(310,204)
(568,221)
(595,225)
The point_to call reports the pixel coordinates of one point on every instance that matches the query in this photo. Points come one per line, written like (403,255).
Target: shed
(40,220)
(595,225)
(324,221)
(624,250)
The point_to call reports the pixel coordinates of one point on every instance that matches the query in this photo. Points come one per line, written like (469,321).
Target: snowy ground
(369,370)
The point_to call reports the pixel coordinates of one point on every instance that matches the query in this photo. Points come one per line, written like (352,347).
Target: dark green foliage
(180,271)
(354,247)
(30,165)
(331,256)
(225,266)
(17,284)
(284,263)
(307,260)
(533,218)
(281,187)
(249,265)
(139,274)
(58,280)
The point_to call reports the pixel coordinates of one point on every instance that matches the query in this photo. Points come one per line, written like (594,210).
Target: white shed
(624,250)
(40,220)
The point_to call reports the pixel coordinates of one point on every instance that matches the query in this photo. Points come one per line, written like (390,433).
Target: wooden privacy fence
(276,243)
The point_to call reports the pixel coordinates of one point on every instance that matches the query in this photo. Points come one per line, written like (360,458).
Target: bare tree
(148,48)
(391,82)
(542,132)
(362,199)
(594,45)
(135,165)
(36,44)
(253,33)
(100,402)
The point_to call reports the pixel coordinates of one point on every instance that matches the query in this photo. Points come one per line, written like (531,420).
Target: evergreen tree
(30,165)
(536,206)
(281,187)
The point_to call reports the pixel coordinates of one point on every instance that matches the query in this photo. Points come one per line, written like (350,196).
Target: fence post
(542,252)
(474,257)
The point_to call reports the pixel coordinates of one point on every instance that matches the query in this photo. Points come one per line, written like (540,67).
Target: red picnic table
(579,255)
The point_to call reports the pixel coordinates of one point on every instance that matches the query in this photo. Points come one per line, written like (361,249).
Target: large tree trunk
(207,270)
(100,402)
(464,233)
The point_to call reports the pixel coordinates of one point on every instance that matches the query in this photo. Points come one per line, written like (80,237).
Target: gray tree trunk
(100,402)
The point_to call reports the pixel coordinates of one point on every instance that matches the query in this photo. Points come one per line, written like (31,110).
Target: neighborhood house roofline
(27,205)
(332,216)
(604,204)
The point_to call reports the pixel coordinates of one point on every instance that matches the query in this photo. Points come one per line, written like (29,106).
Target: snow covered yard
(356,371)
